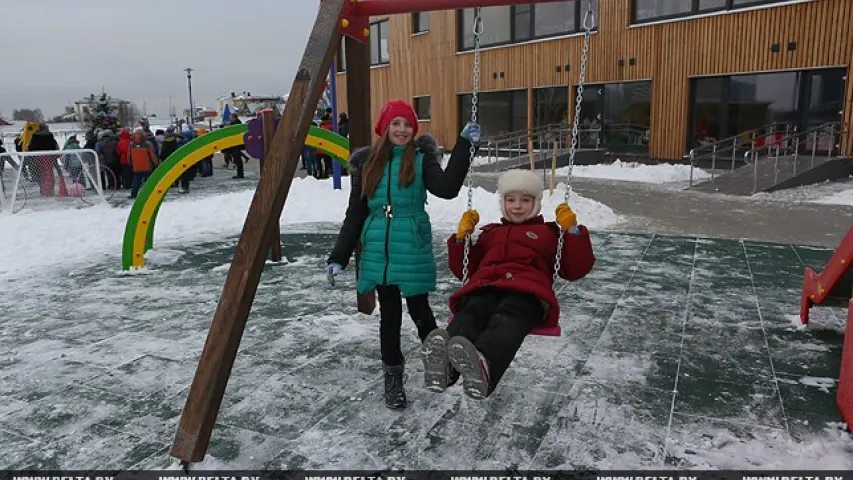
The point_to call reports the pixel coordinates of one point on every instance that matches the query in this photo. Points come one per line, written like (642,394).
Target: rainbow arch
(139,231)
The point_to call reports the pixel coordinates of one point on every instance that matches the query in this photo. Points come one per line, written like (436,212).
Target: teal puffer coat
(397,241)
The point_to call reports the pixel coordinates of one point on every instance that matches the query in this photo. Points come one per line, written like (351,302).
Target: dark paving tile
(797,352)
(809,402)
(729,354)
(703,443)
(756,403)
(607,427)
(92,447)
(639,369)
(289,401)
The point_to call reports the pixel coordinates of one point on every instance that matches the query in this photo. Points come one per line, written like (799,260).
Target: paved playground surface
(676,351)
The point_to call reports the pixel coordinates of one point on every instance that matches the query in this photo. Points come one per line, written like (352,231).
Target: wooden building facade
(682,71)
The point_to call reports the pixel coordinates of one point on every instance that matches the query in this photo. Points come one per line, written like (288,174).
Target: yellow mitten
(467,223)
(566,218)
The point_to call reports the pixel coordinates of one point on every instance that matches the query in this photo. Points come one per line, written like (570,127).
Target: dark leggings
(391,320)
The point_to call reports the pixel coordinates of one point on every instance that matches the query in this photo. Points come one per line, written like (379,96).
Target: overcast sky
(55,52)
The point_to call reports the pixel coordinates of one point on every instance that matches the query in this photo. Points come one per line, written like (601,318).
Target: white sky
(54,52)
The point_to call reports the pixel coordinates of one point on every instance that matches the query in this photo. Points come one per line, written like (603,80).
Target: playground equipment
(334,19)
(139,231)
(44,177)
(834,287)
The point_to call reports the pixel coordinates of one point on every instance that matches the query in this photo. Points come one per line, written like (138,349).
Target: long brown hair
(380,154)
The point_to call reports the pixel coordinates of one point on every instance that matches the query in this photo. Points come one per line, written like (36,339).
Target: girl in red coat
(510,291)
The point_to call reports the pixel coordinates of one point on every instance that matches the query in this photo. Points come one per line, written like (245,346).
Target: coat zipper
(387,226)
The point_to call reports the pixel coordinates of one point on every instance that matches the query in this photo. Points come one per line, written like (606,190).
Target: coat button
(508,275)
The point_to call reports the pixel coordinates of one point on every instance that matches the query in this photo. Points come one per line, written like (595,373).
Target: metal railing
(832,135)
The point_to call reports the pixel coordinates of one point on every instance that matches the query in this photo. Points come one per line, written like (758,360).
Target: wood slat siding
(669,54)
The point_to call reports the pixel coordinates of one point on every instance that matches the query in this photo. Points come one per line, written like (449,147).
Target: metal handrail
(787,138)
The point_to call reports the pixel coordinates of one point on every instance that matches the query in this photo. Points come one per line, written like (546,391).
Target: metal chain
(588,23)
(478,31)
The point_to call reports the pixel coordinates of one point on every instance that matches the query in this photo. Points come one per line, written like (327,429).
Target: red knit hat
(392,110)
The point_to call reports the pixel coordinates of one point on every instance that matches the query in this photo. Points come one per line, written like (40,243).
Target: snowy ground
(676,352)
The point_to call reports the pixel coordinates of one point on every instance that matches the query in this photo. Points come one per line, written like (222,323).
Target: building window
(653,10)
(499,112)
(341,57)
(519,23)
(723,107)
(423,107)
(420,22)
(379,37)
(622,112)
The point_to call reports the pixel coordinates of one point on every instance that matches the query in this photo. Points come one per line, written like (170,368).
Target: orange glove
(566,218)
(467,223)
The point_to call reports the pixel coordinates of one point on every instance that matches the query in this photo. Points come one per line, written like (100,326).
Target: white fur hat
(523,181)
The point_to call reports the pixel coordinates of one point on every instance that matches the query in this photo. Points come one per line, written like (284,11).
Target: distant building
(247,104)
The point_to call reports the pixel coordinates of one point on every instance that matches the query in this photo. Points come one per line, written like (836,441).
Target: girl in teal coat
(387,215)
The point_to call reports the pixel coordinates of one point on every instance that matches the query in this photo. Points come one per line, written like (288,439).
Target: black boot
(395,396)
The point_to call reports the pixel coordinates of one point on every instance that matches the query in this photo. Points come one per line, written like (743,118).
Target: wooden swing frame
(335,19)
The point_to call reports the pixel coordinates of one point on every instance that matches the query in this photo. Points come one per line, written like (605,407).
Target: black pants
(497,322)
(391,320)
(187,176)
(237,159)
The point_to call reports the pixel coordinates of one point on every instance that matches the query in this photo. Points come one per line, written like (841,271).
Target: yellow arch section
(139,231)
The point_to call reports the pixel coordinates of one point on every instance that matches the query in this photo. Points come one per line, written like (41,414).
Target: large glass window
(379,38)
(518,23)
(723,107)
(651,10)
(622,112)
(551,106)
(498,112)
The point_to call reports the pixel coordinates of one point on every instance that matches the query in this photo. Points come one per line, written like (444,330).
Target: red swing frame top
(355,16)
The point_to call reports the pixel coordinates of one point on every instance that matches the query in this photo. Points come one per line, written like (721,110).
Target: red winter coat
(520,258)
(325,126)
(123,148)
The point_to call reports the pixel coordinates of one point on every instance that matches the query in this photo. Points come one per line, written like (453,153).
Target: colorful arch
(139,231)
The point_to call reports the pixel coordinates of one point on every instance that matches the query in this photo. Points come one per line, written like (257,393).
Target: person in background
(123,152)
(235,154)
(143,160)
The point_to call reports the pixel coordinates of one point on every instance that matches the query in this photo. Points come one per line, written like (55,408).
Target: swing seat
(543,330)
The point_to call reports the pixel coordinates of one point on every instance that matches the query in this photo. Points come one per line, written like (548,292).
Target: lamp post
(190,88)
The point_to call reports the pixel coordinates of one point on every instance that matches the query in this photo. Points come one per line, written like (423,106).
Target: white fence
(43,180)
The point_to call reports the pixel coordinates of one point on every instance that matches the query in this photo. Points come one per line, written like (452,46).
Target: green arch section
(327,141)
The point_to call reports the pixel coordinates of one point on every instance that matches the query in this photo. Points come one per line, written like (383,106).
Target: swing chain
(478,31)
(588,23)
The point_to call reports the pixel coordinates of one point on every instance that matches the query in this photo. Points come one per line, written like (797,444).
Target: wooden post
(229,321)
(361,127)
(553,168)
(268,120)
(530,113)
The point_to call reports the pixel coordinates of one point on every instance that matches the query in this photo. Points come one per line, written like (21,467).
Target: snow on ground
(41,239)
(841,198)
(637,172)
(839,192)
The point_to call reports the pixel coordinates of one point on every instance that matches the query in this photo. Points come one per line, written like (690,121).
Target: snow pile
(841,198)
(637,172)
(33,240)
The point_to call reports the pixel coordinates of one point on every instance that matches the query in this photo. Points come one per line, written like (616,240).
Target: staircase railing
(835,135)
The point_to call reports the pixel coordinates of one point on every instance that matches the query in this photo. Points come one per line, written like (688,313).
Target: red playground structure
(834,287)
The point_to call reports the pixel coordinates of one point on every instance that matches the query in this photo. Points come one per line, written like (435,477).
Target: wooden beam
(268,120)
(361,127)
(229,321)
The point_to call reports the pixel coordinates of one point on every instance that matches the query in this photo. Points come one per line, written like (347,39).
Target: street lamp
(190,87)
